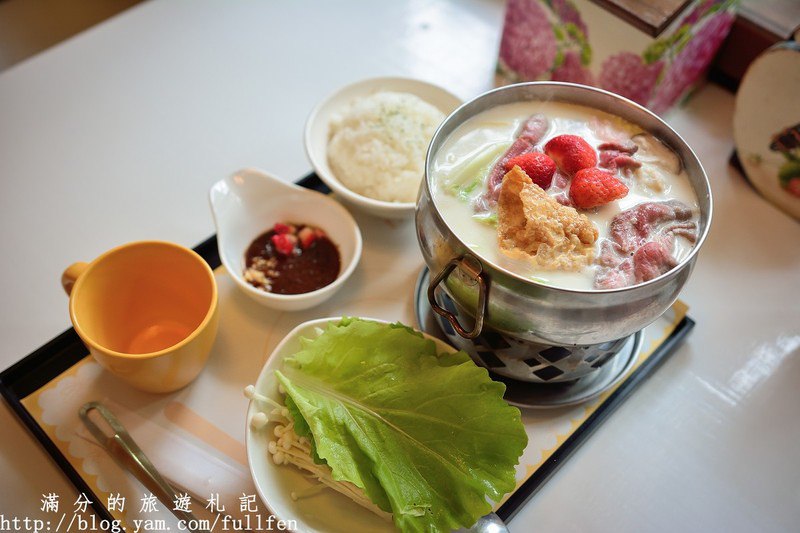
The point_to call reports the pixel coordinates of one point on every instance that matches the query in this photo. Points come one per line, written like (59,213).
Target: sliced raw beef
(614,155)
(529,136)
(629,147)
(640,243)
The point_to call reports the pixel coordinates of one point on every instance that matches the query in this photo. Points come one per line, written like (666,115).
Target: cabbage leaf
(426,436)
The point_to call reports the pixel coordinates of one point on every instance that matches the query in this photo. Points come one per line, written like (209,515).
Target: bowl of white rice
(368,141)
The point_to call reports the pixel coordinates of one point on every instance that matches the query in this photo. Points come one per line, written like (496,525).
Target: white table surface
(116,135)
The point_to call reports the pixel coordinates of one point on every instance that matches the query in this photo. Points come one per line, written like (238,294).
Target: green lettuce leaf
(427,436)
(301,428)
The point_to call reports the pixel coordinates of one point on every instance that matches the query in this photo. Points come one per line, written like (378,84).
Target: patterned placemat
(207,419)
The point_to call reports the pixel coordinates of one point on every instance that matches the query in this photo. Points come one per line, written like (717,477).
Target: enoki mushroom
(290,448)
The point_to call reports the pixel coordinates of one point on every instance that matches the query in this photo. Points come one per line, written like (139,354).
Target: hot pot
(490,298)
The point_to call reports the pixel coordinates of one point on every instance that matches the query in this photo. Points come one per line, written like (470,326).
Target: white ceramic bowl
(250,202)
(327,511)
(317,135)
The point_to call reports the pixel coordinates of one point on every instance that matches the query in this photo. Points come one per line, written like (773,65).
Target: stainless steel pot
(525,309)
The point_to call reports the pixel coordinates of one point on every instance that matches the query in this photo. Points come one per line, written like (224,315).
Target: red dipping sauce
(292,259)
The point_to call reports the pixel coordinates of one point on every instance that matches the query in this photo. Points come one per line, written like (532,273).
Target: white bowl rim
(331,180)
(340,279)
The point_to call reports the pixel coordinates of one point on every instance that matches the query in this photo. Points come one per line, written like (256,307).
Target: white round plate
(768,107)
(328,510)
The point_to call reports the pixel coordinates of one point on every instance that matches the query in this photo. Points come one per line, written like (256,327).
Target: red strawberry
(307,237)
(536,165)
(284,243)
(592,187)
(571,153)
(280,228)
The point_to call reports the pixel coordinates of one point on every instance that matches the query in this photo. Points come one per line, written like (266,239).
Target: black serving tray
(48,362)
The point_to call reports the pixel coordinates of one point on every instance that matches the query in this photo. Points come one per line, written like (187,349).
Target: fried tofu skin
(534,226)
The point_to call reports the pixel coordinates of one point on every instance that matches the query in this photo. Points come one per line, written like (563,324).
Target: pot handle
(467,263)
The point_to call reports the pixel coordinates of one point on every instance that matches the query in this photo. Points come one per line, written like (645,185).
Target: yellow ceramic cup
(147,311)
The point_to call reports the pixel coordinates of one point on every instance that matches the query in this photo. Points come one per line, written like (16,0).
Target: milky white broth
(486,136)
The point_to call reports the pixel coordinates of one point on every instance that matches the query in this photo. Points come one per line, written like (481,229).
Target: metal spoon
(127,453)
